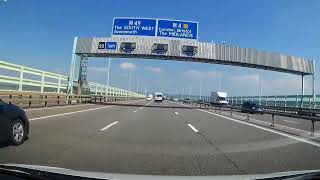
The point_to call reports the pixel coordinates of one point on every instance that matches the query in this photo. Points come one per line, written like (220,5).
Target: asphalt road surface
(144,137)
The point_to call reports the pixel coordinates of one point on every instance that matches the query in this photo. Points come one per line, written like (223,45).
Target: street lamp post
(109,61)
(138,86)
(200,88)
(129,81)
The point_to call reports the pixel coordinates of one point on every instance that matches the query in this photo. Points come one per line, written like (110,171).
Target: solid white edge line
(73,112)
(193,128)
(108,126)
(266,129)
(56,107)
(55,115)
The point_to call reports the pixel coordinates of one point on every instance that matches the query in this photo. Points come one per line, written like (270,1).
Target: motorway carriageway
(143,137)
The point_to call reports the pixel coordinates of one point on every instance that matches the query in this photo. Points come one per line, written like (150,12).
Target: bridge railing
(294,101)
(15,77)
(104,90)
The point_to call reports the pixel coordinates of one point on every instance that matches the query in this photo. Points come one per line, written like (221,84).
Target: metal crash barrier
(300,113)
(37,99)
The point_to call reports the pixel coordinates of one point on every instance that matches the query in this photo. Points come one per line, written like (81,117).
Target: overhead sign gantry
(177,40)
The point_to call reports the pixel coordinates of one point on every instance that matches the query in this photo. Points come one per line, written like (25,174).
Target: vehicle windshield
(168,88)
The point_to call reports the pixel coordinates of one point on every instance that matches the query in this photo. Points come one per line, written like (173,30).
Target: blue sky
(40,34)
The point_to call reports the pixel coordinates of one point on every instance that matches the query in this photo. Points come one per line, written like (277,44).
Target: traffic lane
(51,136)
(150,141)
(255,150)
(223,130)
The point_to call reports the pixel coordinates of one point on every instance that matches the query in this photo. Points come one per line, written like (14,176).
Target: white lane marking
(141,107)
(266,129)
(176,113)
(74,112)
(108,126)
(290,121)
(57,107)
(193,128)
(137,109)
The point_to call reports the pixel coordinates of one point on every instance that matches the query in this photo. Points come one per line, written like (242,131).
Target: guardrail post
(30,97)
(266,100)
(69,100)
(21,79)
(231,111)
(10,99)
(45,102)
(275,101)
(59,83)
(309,103)
(297,101)
(285,103)
(272,122)
(20,100)
(312,128)
(42,82)
(58,100)
(247,116)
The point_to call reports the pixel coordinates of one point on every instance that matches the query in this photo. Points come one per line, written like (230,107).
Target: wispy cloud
(128,66)
(154,69)
(202,74)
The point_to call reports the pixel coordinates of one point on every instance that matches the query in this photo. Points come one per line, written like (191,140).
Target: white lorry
(219,98)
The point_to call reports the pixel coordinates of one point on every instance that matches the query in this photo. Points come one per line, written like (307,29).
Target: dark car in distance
(251,107)
(14,124)
(187,101)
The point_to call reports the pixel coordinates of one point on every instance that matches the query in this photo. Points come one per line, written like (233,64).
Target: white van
(158,97)
(150,96)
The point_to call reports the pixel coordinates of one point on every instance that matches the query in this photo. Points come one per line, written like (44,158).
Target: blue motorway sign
(111,45)
(134,26)
(177,29)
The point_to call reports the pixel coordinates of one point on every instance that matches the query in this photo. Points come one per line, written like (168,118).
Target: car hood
(100,175)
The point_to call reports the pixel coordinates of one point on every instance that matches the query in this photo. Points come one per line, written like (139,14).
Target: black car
(251,107)
(187,101)
(14,124)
